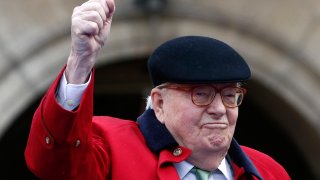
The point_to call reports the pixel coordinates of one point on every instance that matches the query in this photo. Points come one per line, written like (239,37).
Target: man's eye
(202,94)
(230,95)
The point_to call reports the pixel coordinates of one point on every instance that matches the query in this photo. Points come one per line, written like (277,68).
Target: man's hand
(90,28)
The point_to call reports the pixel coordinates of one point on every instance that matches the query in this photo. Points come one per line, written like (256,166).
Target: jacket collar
(159,138)
(156,134)
(239,157)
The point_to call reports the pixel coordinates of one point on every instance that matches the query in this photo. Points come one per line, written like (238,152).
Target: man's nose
(217,107)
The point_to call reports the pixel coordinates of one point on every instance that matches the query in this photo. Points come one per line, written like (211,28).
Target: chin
(219,142)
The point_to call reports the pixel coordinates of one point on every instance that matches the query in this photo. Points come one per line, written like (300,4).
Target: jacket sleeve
(61,144)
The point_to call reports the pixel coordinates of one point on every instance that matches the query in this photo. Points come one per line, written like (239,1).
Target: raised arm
(90,28)
(61,144)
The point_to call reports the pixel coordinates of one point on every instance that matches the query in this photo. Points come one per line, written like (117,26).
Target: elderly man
(186,131)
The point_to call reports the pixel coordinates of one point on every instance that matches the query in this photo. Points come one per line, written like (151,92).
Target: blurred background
(280,40)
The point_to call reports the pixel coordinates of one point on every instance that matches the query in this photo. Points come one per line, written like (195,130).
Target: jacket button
(177,152)
(70,102)
(77,144)
(47,140)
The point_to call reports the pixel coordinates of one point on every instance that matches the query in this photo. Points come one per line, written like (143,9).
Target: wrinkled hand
(91,23)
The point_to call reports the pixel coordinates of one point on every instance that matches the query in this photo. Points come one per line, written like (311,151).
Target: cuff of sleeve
(69,95)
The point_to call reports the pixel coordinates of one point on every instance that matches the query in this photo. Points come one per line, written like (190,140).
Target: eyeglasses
(203,95)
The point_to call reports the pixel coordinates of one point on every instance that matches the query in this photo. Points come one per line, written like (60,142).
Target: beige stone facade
(279,38)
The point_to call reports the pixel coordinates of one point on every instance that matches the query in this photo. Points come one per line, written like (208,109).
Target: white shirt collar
(225,168)
(184,167)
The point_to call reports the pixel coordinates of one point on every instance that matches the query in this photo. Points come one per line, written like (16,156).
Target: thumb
(111,7)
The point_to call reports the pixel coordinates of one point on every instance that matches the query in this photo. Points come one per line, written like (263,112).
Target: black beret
(195,60)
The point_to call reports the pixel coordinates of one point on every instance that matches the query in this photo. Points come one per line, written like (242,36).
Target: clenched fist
(91,23)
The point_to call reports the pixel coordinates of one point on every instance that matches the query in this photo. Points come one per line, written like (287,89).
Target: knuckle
(91,28)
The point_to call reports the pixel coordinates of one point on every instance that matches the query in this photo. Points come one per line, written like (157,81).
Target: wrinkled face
(199,128)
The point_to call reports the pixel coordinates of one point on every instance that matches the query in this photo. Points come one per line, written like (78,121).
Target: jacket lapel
(166,170)
(242,161)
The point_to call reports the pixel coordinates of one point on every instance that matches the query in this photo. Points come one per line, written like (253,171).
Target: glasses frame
(190,88)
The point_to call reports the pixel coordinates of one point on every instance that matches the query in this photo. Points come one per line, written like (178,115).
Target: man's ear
(157,103)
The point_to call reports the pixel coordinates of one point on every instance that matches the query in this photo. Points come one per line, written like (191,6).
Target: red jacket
(77,145)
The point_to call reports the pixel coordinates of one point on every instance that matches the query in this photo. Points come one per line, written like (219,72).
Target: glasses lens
(202,95)
(232,96)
